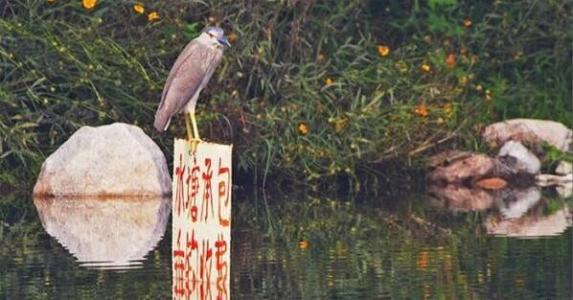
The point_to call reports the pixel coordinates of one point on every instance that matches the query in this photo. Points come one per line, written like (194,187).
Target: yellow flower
(518,55)
(421,110)
(303,128)
(451,60)
(383,50)
(89,4)
(329,81)
(303,244)
(340,124)
(468,23)
(153,16)
(138,8)
(426,68)
(402,66)
(488,96)
(448,109)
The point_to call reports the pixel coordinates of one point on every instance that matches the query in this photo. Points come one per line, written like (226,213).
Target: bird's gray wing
(185,79)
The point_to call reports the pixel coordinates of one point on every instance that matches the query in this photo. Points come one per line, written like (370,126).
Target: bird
(188,76)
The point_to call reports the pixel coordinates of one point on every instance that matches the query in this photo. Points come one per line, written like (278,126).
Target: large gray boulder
(111,160)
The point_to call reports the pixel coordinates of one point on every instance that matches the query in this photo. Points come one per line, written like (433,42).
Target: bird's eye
(210,35)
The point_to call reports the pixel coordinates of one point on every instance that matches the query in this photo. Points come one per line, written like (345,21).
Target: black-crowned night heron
(188,76)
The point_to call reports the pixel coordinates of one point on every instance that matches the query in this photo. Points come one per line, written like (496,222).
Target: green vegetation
(310,91)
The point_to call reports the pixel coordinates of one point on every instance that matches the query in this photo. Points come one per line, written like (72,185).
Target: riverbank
(310,93)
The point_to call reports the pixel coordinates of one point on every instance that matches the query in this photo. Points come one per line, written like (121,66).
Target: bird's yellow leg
(189,131)
(195,129)
(188,126)
(196,139)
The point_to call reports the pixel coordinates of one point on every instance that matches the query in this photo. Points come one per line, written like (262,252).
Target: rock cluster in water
(514,163)
(508,185)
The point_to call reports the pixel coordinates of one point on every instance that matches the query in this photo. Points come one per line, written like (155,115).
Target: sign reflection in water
(113,233)
(201,221)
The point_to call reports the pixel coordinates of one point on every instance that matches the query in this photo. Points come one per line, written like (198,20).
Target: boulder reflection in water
(511,212)
(514,203)
(460,198)
(105,233)
(534,224)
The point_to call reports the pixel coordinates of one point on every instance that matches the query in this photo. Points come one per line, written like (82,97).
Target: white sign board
(201,240)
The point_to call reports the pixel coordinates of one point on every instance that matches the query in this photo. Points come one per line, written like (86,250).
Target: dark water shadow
(111,233)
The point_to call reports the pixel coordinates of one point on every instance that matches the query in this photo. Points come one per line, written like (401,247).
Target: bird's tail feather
(161,122)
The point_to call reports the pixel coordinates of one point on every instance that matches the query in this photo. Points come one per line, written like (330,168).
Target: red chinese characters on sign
(193,189)
(224,176)
(220,263)
(201,221)
(179,172)
(207,192)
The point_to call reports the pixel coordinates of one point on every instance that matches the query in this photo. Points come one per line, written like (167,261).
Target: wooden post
(201,241)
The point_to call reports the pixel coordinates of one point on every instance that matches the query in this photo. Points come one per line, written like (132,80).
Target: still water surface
(515,245)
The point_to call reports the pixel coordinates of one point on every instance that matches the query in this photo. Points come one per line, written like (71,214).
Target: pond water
(452,244)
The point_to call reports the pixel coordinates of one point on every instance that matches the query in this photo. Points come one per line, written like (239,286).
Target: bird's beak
(224,41)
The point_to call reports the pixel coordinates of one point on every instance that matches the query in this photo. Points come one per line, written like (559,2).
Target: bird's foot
(193,143)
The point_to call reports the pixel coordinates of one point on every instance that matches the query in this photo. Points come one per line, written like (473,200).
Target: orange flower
(468,23)
(153,16)
(421,110)
(329,81)
(422,260)
(138,8)
(303,244)
(303,128)
(426,68)
(451,60)
(232,37)
(89,4)
(51,1)
(383,50)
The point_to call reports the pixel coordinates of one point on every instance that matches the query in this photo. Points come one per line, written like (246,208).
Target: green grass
(63,66)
